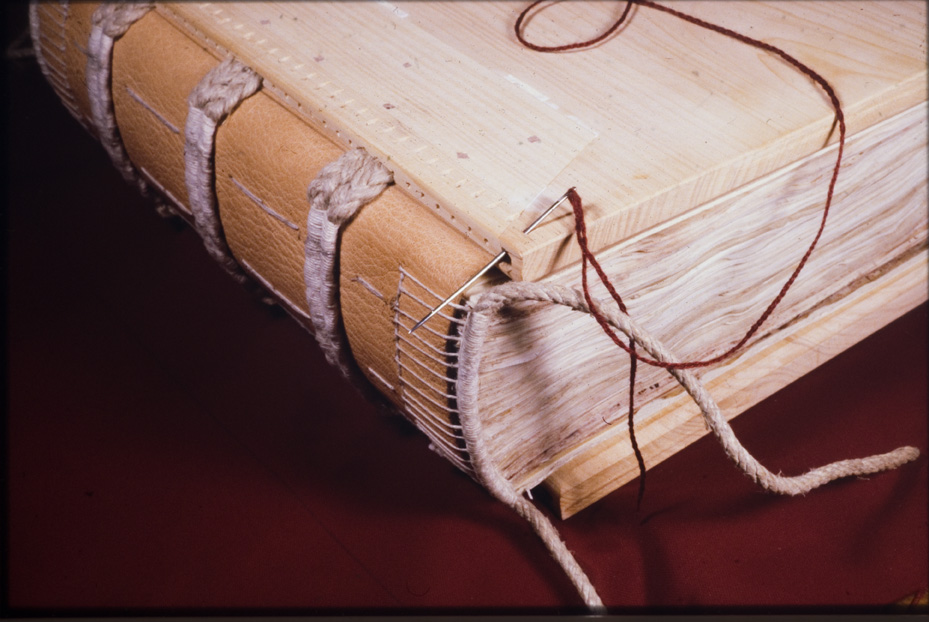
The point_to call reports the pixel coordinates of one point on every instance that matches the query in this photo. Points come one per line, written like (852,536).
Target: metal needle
(493,262)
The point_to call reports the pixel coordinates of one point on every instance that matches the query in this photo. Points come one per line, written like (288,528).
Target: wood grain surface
(648,125)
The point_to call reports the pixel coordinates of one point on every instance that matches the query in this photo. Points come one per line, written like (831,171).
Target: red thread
(518,27)
(587,256)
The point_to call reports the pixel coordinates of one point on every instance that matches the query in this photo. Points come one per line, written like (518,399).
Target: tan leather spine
(266,156)
(154,69)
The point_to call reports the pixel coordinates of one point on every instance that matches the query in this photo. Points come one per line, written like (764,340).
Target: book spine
(395,257)
(396,260)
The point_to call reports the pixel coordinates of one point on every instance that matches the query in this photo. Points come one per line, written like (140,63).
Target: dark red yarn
(570,46)
(587,256)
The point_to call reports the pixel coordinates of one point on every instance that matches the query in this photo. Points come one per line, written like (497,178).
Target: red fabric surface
(173,444)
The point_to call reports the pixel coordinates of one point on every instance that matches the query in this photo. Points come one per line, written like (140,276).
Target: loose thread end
(907,454)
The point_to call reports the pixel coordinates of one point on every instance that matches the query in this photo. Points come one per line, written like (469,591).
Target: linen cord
(110,21)
(475,332)
(214,98)
(340,189)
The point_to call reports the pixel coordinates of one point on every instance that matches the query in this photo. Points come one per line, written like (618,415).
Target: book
(702,186)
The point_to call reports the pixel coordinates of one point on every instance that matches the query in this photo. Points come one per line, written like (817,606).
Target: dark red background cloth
(173,445)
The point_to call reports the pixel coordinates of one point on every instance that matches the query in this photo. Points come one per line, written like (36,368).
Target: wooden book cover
(703,164)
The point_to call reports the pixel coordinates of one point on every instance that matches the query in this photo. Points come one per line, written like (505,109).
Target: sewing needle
(493,262)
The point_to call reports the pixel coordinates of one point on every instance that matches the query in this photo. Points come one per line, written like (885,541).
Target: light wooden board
(652,123)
